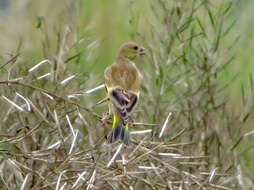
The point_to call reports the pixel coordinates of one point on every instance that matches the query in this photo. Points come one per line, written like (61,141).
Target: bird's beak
(141,51)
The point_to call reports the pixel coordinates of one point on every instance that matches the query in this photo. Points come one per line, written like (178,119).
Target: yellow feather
(126,127)
(114,122)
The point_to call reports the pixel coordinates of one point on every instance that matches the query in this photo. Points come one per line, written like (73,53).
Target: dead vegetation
(51,136)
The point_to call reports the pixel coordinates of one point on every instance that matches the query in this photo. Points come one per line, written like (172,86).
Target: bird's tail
(119,132)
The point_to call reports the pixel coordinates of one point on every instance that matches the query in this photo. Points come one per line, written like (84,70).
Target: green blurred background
(102,26)
(109,22)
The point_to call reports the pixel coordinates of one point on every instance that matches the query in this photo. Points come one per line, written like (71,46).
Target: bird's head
(130,51)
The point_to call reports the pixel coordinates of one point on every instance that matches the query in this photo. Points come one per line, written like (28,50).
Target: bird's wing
(133,101)
(123,82)
(108,77)
(123,103)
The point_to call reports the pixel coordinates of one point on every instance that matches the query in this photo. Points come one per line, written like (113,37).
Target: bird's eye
(135,47)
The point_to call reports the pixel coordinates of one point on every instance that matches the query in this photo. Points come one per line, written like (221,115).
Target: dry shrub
(185,136)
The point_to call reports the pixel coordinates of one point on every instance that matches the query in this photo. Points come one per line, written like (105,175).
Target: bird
(122,82)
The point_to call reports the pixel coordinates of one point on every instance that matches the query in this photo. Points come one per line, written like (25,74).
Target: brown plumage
(122,80)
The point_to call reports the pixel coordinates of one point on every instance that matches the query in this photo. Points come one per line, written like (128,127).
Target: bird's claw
(131,122)
(105,118)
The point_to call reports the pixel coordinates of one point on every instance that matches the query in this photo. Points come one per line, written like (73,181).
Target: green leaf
(229,28)
(211,17)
